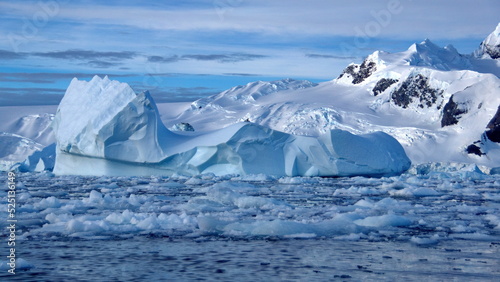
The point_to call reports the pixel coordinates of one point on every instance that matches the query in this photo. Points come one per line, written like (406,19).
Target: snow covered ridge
(103,128)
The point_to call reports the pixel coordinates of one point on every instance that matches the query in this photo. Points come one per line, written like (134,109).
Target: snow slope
(24,131)
(103,128)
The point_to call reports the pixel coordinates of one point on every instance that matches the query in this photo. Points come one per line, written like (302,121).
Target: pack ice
(103,127)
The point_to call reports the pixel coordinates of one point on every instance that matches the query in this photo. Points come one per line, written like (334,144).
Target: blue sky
(184,50)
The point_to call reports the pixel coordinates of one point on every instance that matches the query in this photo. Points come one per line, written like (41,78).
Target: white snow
(14,149)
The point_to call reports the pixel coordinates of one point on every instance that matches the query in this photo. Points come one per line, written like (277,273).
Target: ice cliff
(103,127)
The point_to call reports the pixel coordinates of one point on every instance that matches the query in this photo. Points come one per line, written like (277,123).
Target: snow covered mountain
(441,105)
(24,131)
(15,148)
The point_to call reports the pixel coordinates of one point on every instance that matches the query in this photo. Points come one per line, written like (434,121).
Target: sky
(185,50)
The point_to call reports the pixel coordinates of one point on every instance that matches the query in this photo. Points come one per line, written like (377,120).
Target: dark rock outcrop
(183,126)
(382,85)
(416,87)
(474,149)
(493,132)
(451,113)
(360,72)
(494,52)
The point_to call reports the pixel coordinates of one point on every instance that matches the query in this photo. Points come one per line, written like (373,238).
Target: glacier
(103,127)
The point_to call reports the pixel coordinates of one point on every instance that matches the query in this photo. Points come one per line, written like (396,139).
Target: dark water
(453,235)
(164,259)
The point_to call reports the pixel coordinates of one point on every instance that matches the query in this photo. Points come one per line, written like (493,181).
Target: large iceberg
(103,127)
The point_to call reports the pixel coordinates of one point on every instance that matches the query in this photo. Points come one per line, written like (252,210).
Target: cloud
(323,56)
(48,78)
(9,55)
(221,58)
(36,96)
(182,94)
(160,59)
(241,74)
(225,58)
(410,19)
(75,54)
(95,59)
(101,64)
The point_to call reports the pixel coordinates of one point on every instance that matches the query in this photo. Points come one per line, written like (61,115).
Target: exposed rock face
(382,85)
(452,113)
(493,132)
(474,149)
(360,72)
(493,51)
(416,87)
(183,126)
(490,47)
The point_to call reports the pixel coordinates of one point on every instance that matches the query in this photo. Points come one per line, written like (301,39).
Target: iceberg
(103,127)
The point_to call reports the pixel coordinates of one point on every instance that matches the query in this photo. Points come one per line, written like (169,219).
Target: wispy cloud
(225,58)
(182,94)
(284,17)
(49,78)
(323,56)
(86,55)
(9,55)
(36,96)
(160,59)
(241,74)
(95,59)
(221,58)
(101,64)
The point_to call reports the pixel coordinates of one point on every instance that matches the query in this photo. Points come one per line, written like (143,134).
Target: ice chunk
(383,220)
(40,160)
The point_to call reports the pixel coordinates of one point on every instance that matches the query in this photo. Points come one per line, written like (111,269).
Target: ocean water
(438,225)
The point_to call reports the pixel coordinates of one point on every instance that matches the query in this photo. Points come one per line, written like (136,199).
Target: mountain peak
(425,46)
(490,47)
(427,42)
(429,54)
